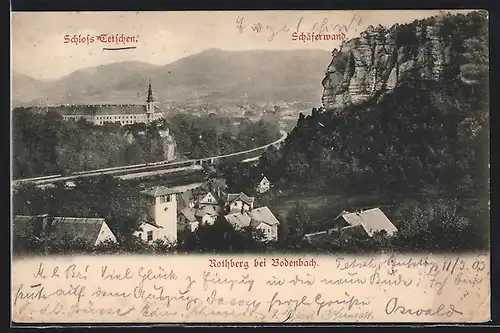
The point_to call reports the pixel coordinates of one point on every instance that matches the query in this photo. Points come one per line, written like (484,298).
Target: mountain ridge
(274,75)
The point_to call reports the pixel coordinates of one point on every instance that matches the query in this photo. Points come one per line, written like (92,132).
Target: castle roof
(108,109)
(94,109)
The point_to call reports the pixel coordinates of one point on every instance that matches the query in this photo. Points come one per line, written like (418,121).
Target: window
(165,198)
(150,236)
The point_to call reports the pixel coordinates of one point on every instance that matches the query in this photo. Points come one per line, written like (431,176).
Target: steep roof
(199,192)
(263,214)
(213,186)
(189,213)
(184,198)
(88,228)
(263,179)
(372,220)
(238,219)
(157,191)
(81,227)
(255,223)
(151,224)
(231,197)
(201,197)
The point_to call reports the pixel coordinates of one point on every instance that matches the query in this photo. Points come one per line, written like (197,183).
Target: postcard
(250,167)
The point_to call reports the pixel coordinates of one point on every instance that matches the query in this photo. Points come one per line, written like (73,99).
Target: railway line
(246,156)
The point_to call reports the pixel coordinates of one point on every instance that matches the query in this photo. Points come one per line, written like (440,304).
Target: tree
(297,222)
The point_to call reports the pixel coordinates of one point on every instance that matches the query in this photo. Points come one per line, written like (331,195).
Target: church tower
(150,101)
(163,209)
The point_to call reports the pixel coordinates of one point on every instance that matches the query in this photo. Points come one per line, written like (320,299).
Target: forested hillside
(215,135)
(44,144)
(420,150)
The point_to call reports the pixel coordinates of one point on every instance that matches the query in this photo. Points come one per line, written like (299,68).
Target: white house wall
(273,231)
(105,233)
(143,232)
(238,205)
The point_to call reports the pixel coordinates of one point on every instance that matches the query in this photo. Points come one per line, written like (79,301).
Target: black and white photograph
(246,133)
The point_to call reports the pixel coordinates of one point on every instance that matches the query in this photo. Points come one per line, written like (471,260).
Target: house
(186,199)
(263,186)
(187,219)
(206,195)
(25,225)
(238,202)
(206,215)
(208,199)
(162,210)
(364,222)
(148,231)
(70,185)
(92,231)
(259,218)
(263,219)
(238,220)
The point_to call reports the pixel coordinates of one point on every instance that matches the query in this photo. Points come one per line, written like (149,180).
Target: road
(123,171)
(158,172)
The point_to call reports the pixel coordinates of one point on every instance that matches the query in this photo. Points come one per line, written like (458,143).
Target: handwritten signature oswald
(395,306)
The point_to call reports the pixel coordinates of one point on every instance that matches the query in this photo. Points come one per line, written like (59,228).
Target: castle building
(101,114)
(162,213)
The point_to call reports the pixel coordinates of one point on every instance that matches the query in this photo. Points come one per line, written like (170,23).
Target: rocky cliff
(440,49)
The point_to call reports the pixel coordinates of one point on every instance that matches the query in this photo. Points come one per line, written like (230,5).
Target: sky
(39,49)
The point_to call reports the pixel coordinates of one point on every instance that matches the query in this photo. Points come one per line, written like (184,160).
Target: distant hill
(210,75)
(26,88)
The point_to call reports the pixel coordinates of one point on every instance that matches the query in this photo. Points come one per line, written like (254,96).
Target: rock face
(168,145)
(372,65)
